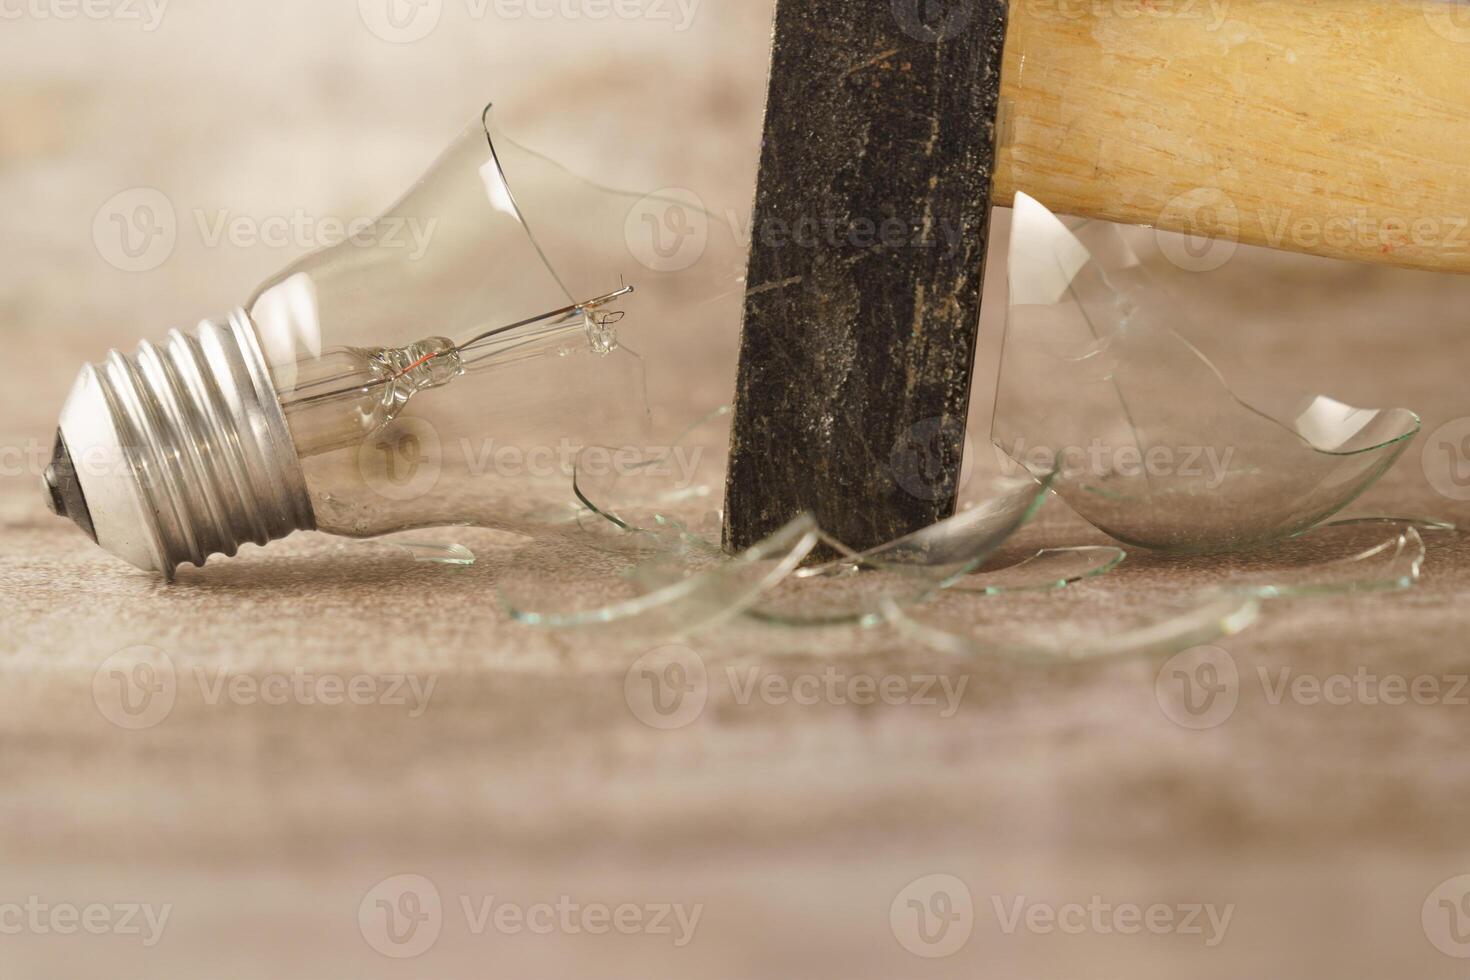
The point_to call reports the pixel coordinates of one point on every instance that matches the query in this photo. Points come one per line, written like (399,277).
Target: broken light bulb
(368,388)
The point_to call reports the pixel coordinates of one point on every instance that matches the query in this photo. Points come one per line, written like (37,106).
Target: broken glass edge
(1052,237)
(1215,613)
(917,580)
(785,549)
(1433,525)
(605,510)
(1046,570)
(1211,618)
(878,557)
(1395,564)
(452,553)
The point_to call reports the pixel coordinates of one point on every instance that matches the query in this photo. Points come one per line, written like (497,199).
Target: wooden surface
(529,777)
(872,215)
(1333,127)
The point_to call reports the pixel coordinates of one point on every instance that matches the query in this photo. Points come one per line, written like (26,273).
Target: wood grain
(868,253)
(1333,127)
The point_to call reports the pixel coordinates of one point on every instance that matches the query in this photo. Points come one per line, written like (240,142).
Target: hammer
(1333,127)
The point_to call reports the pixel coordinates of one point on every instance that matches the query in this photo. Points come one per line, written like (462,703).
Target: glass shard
(438,554)
(1350,555)
(908,570)
(663,505)
(1102,625)
(662,490)
(1155,449)
(436,546)
(680,590)
(1047,569)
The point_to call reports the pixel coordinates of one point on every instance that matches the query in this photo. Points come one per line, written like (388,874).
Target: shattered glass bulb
(373,387)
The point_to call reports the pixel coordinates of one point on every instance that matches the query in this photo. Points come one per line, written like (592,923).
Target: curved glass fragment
(665,504)
(1025,627)
(433,552)
(675,488)
(1351,555)
(1154,448)
(1047,569)
(572,586)
(908,570)
(1355,554)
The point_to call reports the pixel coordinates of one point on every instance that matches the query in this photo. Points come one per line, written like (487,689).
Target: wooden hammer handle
(1333,127)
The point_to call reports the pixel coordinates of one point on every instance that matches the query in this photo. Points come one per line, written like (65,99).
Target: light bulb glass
(445,364)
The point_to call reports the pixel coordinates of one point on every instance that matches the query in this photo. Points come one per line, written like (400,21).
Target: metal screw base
(204,460)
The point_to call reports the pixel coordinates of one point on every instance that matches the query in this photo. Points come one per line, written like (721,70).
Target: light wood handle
(1334,127)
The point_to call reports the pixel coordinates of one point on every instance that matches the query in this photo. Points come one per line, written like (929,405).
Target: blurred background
(132,132)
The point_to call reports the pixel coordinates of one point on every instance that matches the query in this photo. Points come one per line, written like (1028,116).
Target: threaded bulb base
(182,451)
